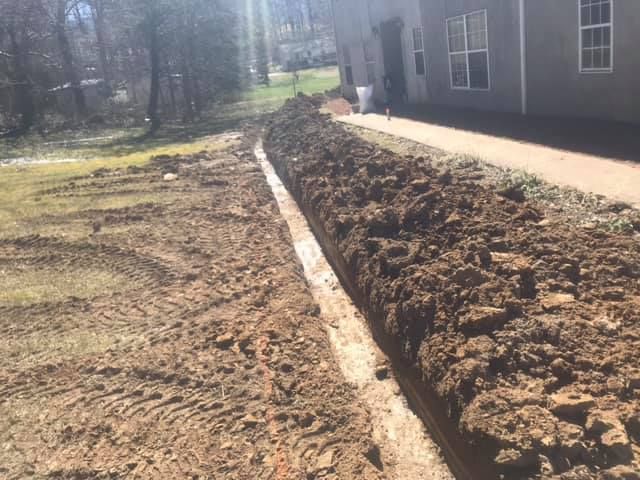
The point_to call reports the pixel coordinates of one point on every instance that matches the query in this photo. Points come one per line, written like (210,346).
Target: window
(418,51)
(469,51)
(370,61)
(348,70)
(596,35)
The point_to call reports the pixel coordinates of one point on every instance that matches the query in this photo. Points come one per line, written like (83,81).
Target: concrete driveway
(617,180)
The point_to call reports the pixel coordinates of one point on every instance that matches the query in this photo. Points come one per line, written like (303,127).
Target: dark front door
(391,33)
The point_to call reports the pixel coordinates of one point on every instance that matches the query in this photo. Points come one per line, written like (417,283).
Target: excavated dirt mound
(207,361)
(529,334)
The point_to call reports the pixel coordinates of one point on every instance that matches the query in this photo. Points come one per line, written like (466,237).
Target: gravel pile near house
(528,330)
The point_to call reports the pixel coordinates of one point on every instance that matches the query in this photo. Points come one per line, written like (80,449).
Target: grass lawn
(316,80)
(21,204)
(30,285)
(111,144)
(75,153)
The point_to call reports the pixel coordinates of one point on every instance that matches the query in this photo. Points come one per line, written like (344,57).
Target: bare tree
(63,8)
(182,53)
(98,13)
(153,18)
(20,27)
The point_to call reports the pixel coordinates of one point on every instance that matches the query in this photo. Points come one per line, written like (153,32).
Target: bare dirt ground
(407,450)
(171,340)
(525,326)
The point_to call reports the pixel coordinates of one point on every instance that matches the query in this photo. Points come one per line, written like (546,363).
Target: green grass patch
(531,185)
(22,206)
(78,153)
(110,143)
(317,80)
(110,146)
(74,344)
(31,285)
(618,225)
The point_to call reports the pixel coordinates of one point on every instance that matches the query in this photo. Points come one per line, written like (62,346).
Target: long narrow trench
(408,451)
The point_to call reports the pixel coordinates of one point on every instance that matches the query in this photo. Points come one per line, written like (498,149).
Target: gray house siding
(504,54)
(357,23)
(555,84)
(347,21)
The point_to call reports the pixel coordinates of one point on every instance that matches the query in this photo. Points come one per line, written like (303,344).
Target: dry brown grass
(28,285)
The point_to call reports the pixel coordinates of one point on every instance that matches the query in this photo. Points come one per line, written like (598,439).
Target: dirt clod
(522,327)
(382,372)
(571,403)
(225,341)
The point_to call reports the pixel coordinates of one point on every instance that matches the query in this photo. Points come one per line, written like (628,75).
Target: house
(315,52)
(574,58)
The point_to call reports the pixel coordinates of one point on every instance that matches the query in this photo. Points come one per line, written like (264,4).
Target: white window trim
(413,46)
(591,71)
(467,51)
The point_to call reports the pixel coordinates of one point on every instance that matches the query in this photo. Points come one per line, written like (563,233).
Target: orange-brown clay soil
(527,330)
(207,362)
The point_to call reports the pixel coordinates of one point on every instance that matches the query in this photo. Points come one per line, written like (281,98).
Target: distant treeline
(72,59)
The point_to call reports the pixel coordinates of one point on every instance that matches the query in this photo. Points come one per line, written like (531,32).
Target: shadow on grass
(216,121)
(109,141)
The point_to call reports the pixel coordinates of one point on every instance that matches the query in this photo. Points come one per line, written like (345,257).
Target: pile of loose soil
(561,203)
(529,333)
(209,361)
(339,106)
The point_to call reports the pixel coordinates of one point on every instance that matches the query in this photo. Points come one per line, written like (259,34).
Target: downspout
(523,57)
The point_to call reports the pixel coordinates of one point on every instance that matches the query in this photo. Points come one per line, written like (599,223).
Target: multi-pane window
(596,35)
(348,69)
(469,51)
(418,51)
(370,61)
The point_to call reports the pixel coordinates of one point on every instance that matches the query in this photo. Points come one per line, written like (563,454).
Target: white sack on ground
(365,97)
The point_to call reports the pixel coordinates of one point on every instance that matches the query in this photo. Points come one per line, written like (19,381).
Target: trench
(410,425)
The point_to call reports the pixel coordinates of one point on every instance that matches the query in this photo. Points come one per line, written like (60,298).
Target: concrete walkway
(616,180)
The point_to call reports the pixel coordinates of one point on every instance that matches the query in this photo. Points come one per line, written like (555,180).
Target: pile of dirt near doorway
(528,333)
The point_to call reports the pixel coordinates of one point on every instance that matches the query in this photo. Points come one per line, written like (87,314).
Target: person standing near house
(388,95)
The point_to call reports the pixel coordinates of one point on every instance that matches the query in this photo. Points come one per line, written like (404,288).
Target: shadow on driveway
(607,139)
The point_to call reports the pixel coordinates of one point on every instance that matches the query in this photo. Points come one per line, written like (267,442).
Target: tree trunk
(97,12)
(24,102)
(131,73)
(172,88)
(197,96)
(187,92)
(312,20)
(192,54)
(154,94)
(70,75)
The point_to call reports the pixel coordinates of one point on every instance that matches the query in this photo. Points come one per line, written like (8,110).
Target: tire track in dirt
(179,386)
(282,463)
